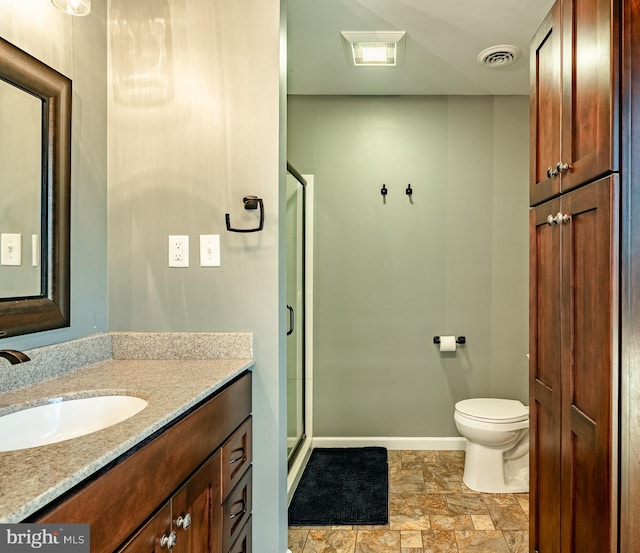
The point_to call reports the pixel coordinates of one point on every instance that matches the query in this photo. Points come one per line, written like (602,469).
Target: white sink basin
(63,419)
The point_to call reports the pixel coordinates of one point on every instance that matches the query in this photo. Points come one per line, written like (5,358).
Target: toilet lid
(493,410)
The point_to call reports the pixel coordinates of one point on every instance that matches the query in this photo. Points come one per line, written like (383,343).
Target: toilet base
(485,470)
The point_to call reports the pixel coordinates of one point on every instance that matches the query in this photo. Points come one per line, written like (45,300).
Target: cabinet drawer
(243,543)
(236,457)
(236,510)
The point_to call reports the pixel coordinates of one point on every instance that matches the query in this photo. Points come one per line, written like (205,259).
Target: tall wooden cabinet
(574,310)
(574,87)
(574,278)
(629,495)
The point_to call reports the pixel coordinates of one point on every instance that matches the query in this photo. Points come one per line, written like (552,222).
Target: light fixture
(382,48)
(73,7)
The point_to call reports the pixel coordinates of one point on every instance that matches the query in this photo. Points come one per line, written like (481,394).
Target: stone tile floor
(430,511)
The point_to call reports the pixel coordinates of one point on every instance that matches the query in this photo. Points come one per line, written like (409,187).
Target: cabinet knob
(562,168)
(551,172)
(560,218)
(168,541)
(184,521)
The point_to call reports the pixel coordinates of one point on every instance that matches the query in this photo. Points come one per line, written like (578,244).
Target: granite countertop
(32,478)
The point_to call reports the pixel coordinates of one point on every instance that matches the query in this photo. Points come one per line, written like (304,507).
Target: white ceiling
(444,38)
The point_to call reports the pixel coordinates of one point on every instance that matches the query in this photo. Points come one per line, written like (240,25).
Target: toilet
(497,433)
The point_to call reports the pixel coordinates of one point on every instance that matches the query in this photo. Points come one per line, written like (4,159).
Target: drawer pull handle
(241,458)
(240,512)
(184,521)
(168,541)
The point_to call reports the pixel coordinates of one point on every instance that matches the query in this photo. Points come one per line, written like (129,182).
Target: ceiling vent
(499,56)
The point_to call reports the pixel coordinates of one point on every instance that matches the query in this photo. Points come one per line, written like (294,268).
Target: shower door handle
(291,320)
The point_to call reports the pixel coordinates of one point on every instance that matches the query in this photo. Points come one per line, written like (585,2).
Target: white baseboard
(297,468)
(408,443)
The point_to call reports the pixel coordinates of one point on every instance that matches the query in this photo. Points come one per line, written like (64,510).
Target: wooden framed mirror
(34,262)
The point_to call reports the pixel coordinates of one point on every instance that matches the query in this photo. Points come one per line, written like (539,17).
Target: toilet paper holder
(459,340)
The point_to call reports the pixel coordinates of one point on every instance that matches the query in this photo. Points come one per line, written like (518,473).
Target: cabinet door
(545,377)
(196,511)
(545,98)
(589,81)
(148,538)
(573,90)
(589,366)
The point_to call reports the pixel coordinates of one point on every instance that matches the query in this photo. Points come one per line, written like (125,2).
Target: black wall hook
(408,191)
(250,202)
(384,190)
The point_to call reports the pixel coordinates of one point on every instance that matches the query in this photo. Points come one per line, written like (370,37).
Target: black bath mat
(342,486)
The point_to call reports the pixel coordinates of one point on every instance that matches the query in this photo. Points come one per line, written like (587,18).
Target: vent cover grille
(499,56)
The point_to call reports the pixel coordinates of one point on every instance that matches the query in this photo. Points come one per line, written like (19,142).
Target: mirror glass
(20,192)
(35,185)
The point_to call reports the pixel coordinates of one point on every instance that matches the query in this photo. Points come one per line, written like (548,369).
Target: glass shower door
(295,306)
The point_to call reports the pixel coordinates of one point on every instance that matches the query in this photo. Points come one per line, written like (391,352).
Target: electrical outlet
(209,250)
(178,251)
(11,249)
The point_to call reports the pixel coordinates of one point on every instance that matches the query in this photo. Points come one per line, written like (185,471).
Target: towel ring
(250,202)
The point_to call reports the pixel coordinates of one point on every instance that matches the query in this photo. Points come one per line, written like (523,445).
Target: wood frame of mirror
(51,309)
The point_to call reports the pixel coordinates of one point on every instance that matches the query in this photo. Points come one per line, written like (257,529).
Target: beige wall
(390,276)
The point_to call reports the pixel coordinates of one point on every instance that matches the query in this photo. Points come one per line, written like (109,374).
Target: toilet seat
(497,411)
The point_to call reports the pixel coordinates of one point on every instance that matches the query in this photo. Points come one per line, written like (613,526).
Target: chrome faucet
(14,356)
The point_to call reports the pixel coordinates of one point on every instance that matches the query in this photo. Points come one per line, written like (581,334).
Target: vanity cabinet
(573,97)
(192,517)
(146,541)
(187,490)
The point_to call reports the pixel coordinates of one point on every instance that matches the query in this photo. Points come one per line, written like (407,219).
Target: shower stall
(297,310)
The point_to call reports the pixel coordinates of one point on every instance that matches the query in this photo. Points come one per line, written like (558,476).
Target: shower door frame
(301,448)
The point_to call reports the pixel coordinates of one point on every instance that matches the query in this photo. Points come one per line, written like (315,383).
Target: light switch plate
(209,250)
(35,250)
(11,249)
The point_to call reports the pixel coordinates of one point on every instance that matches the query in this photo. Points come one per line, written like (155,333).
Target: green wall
(143,169)
(179,160)
(390,275)
(76,47)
